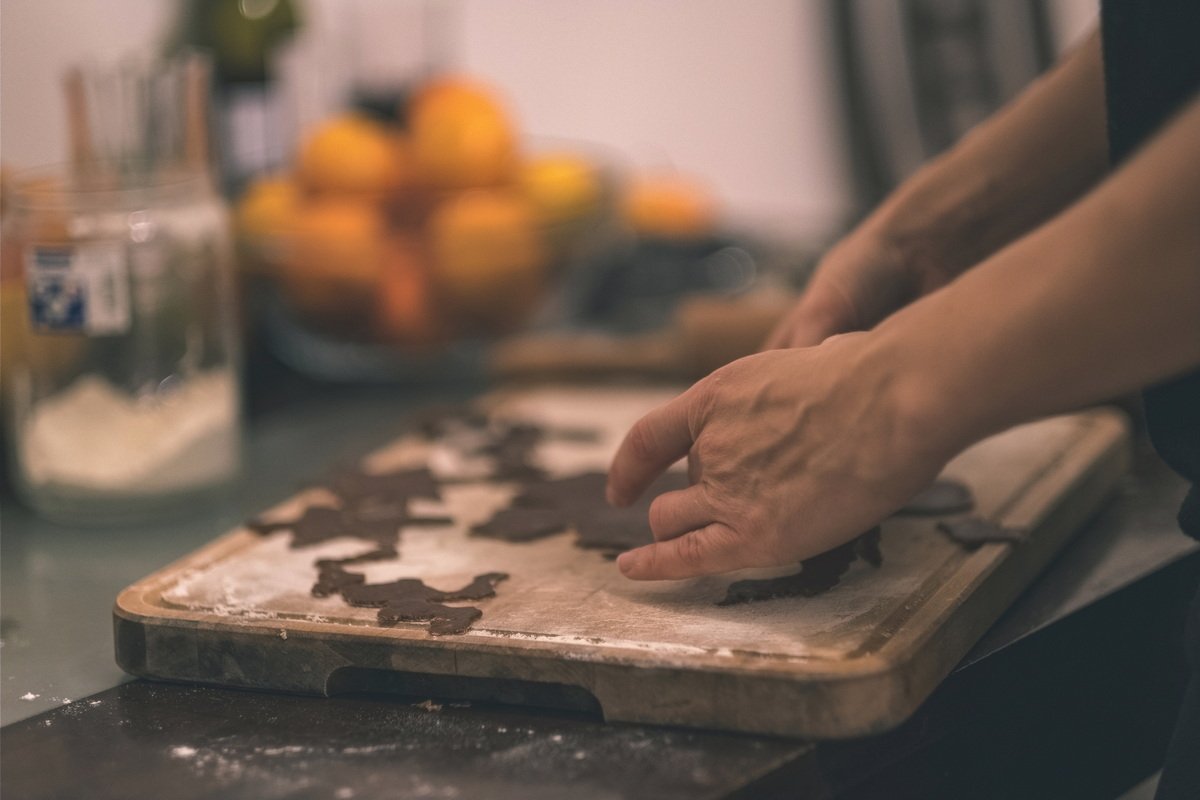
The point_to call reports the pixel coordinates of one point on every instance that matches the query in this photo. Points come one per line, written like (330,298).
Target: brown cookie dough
(546,507)
(408,599)
(508,444)
(511,451)
(817,575)
(356,488)
(941,498)
(438,423)
(322,523)
(522,524)
(331,578)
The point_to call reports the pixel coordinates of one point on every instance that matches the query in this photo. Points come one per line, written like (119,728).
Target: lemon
(562,187)
(268,207)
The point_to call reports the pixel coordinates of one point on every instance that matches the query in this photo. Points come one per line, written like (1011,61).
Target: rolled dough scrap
(940,498)
(522,524)
(549,506)
(331,578)
(408,599)
(512,449)
(357,488)
(507,444)
(817,575)
(974,531)
(322,523)
(437,423)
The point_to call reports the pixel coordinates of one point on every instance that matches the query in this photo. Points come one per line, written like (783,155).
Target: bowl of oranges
(397,248)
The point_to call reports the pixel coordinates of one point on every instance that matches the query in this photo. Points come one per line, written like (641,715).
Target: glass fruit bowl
(416,284)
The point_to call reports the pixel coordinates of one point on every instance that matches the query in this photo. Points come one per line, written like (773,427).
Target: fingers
(800,328)
(708,550)
(675,513)
(782,334)
(654,443)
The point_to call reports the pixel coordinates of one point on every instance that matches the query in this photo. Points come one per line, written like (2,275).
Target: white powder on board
(93,436)
(592,610)
(251,587)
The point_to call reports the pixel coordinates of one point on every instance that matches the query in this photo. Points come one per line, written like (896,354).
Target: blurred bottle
(244,38)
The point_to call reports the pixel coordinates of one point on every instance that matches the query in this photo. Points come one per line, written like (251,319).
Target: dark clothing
(1181,770)
(1151,70)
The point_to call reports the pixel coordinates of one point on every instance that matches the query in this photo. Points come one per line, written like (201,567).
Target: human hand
(861,281)
(790,453)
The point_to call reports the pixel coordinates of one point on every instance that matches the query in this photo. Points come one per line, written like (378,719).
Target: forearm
(1103,300)
(1011,173)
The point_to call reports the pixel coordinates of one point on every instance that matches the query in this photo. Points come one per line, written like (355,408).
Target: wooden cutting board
(567,629)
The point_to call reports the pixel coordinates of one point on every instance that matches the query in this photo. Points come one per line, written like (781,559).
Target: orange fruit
(670,207)
(405,310)
(332,257)
(488,256)
(351,154)
(461,136)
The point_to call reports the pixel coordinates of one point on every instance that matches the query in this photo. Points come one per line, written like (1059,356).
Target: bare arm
(1007,176)
(795,451)
(1103,300)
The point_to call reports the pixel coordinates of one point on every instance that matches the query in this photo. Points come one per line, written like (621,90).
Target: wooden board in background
(856,660)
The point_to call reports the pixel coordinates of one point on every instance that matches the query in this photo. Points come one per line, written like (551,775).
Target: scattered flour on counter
(93,436)
(289,749)
(369,749)
(30,696)
(183,751)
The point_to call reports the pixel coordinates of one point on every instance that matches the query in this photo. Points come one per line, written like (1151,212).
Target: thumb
(709,550)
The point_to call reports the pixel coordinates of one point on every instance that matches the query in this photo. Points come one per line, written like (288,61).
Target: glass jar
(122,392)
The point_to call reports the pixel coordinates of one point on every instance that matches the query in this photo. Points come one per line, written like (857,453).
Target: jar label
(80,288)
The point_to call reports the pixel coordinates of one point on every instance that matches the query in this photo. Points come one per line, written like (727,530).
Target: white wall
(738,92)
(1071,20)
(39,39)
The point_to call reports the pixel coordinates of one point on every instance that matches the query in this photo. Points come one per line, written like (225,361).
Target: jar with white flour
(122,398)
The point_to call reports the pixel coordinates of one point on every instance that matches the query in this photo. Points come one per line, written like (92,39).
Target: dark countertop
(1074,687)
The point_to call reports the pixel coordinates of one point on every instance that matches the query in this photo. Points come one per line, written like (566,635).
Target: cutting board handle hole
(419,686)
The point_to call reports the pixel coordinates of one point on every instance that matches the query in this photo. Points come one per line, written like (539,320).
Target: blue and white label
(81,288)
